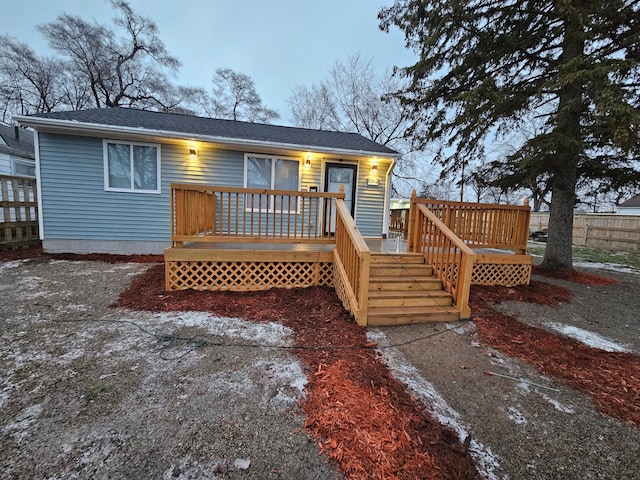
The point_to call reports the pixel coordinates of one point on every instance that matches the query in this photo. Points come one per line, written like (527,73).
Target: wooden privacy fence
(352,260)
(226,214)
(599,230)
(18,211)
(482,225)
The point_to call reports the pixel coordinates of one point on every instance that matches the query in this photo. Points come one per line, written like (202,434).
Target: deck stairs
(403,289)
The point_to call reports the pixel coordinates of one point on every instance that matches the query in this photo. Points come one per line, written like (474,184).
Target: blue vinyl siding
(76,205)
(370,202)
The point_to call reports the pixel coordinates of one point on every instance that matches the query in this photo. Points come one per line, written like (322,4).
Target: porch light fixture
(193,153)
(374,167)
(307,161)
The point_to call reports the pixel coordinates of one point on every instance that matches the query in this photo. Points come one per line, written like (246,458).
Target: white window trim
(25,163)
(105,154)
(270,207)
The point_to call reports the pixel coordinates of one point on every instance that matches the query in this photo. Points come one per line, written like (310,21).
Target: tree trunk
(570,146)
(558,252)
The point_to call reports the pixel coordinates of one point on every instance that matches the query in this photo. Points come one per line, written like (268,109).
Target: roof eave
(62,126)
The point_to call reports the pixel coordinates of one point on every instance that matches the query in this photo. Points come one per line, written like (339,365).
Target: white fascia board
(100,129)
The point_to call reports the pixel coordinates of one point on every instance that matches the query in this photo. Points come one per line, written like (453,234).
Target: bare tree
(234,97)
(29,84)
(354,98)
(126,67)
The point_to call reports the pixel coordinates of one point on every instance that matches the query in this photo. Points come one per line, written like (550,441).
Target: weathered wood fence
(599,230)
(18,212)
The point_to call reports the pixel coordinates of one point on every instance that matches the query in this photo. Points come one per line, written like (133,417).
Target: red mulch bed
(611,378)
(364,418)
(575,276)
(35,251)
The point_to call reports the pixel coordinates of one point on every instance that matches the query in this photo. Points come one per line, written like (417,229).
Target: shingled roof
(633,202)
(18,142)
(211,129)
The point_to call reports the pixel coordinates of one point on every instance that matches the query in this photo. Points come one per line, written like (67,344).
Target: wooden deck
(221,242)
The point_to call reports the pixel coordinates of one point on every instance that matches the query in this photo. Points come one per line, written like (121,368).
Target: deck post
(410,219)
(523,228)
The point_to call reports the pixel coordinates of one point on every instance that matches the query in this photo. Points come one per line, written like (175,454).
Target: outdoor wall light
(374,167)
(193,153)
(307,161)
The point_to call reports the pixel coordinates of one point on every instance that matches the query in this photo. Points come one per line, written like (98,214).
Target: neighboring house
(16,152)
(630,207)
(105,174)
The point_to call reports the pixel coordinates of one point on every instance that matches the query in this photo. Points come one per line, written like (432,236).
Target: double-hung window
(271,173)
(131,167)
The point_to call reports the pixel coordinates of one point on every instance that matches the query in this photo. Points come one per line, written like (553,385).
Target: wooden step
(404,283)
(394,269)
(408,298)
(403,317)
(397,257)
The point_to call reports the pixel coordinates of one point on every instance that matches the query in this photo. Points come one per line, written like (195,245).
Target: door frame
(325,182)
(352,166)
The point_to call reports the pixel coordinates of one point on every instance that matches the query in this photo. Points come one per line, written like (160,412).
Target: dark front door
(336,174)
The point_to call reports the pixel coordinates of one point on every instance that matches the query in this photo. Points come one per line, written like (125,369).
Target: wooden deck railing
(451,259)
(481,225)
(352,260)
(226,214)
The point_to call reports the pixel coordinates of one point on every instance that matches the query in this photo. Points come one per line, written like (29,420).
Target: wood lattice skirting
(341,290)
(246,275)
(507,275)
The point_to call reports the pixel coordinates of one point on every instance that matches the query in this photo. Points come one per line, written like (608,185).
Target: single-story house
(104,175)
(17,156)
(630,207)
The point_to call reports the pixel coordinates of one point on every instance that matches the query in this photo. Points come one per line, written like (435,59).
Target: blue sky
(279,43)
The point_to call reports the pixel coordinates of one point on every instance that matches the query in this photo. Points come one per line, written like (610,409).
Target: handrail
(205,213)
(452,260)
(352,260)
(482,225)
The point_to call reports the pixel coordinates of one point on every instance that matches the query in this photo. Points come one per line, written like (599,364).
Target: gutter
(61,126)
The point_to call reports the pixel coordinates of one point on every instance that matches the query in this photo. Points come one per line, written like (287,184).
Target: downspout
(387,199)
(36,148)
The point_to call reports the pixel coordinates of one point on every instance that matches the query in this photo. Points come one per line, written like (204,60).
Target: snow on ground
(557,405)
(405,372)
(615,267)
(588,338)
(516,416)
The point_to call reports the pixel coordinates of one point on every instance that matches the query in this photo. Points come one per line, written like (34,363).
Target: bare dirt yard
(232,386)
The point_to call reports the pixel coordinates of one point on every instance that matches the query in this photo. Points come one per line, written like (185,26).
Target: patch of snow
(188,468)
(404,371)
(73,308)
(72,355)
(28,416)
(259,333)
(614,267)
(463,329)
(13,264)
(516,416)
(588,338)
(288,373)
(557,405)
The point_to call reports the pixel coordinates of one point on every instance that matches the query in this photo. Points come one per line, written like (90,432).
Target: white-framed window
(131,167)
(271,172)
(24,169)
